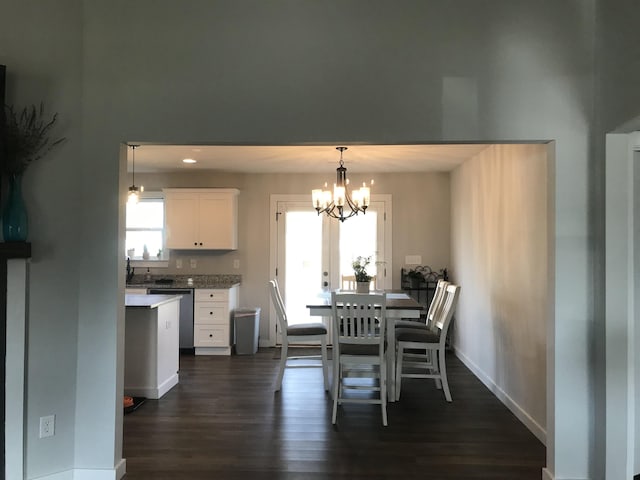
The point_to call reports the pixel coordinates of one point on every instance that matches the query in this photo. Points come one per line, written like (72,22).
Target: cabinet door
(181,220)
(217,218)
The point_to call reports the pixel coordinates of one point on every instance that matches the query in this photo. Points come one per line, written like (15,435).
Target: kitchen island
(151,356)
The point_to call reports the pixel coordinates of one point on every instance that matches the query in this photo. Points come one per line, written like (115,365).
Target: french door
(311,252)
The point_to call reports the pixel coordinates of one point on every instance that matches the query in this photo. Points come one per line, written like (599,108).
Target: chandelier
(341,204)
(134,192)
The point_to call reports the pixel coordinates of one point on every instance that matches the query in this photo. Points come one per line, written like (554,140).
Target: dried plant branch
(27,137)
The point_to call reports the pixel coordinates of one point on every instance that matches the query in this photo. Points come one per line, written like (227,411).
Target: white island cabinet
(213,320)
(201,218)
(151,352)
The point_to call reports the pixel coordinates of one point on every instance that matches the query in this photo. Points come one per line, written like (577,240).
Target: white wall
(499,258)
(283,72)
(618,110)
(421,221)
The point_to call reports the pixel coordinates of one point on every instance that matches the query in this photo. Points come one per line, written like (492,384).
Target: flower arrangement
(27,137)
(360,265)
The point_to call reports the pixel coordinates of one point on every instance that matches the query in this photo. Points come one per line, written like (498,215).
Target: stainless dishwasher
(186,314)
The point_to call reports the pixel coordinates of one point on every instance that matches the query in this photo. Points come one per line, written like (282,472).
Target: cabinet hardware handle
(211,335)
(195,243)
(210,313)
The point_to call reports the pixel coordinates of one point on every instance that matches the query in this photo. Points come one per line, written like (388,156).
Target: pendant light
(335,205)
(134,192)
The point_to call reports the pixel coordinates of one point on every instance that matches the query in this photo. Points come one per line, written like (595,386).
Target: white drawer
(211,295)
(211,335)
(211,313)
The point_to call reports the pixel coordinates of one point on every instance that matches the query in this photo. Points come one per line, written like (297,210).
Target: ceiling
(303,158)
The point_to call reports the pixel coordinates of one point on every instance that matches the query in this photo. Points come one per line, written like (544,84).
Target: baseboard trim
(115,473)
(151,392)
(121,469)
(521,414)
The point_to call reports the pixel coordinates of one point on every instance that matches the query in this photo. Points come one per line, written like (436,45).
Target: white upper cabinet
(201,218)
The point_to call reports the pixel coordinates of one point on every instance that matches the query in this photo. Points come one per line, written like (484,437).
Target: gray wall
(285,72)
(421,223)
(499,258)
(45,65)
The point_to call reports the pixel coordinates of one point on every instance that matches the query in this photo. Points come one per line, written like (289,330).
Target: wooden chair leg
(383,391)
(283,363)
(443,375)
(325,364)
(399,370)
(336,388)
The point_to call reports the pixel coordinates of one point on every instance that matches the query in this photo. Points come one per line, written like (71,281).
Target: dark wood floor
(223,421)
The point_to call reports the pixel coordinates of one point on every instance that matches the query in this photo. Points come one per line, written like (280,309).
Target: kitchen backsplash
(203,262)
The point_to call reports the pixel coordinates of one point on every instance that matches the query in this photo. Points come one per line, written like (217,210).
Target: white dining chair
(430,343)
(434,307)
(348,283)
(359,322)
(300,332)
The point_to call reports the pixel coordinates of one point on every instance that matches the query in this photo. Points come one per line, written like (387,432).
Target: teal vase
(14,216)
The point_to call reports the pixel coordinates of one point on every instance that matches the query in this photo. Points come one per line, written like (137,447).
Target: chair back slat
(445,312)
(278,304)
(358,318)
(436,302)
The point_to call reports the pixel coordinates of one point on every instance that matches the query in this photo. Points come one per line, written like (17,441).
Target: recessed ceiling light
(189,160)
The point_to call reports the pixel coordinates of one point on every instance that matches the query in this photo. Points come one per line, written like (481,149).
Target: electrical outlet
(193,262)
(178,263)
(47,426)
(236,264)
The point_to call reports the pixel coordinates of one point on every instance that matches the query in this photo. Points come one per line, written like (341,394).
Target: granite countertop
(181,281)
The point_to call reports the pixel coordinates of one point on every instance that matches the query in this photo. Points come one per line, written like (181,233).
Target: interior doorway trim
(622,292)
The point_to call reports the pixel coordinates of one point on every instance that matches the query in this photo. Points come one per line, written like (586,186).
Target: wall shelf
(10,250)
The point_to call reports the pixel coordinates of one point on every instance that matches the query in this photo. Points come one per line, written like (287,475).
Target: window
(145,227)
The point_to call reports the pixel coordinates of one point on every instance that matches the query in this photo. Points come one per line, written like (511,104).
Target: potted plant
(363,279)
(27,138)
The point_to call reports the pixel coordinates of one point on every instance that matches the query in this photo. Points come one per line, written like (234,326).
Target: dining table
(399,306)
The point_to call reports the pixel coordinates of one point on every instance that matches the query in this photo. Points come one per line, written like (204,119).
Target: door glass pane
(303,262)
(358,238)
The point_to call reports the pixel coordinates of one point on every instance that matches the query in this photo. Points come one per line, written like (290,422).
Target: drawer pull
(210,313)
(211,335)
